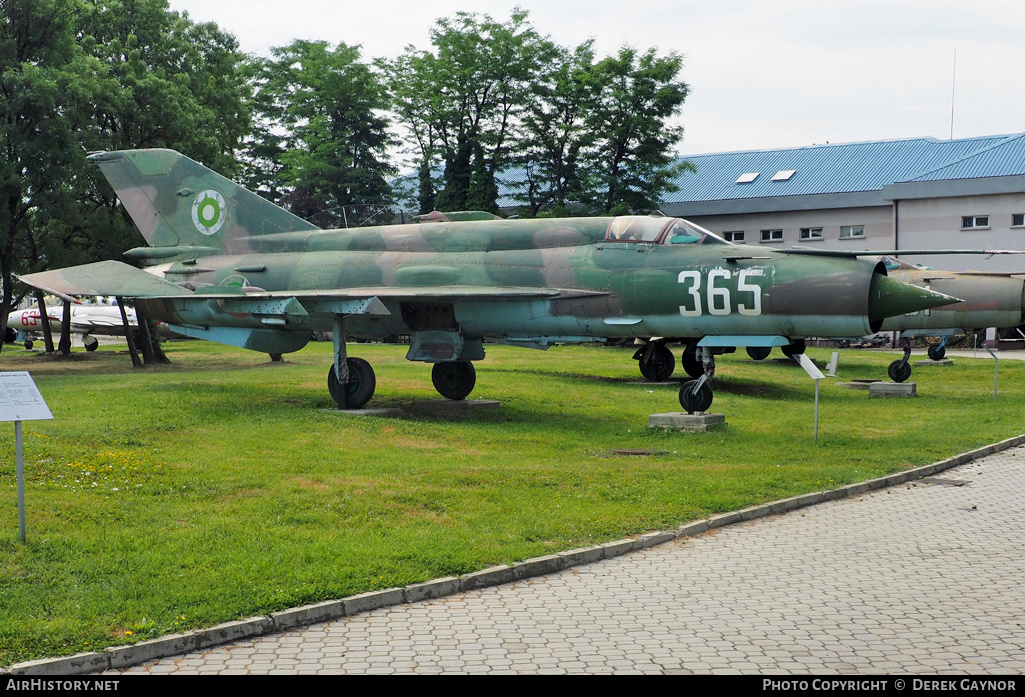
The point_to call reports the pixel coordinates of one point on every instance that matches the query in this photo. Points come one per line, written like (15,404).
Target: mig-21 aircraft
(227,265)
(988,299)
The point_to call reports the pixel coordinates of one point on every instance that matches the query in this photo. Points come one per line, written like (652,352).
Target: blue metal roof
(1003,159)
(848,167)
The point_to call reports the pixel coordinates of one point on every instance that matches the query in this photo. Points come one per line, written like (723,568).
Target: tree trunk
(64,346)
(45,318)
(129,334)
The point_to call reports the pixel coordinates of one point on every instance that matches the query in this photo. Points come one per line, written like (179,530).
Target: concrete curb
(116,657)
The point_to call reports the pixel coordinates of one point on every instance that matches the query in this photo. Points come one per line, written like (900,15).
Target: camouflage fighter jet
(989,299)
(229,266)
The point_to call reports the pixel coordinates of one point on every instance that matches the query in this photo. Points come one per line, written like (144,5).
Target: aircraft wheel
(692,364)
(659,365)
(794,348)
(454,379)
(899,371)
(937,352)
(90,343)
(695,400)
(759,353)
(358,390)
(28,343)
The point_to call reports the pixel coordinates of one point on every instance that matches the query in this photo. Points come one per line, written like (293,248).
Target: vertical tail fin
(177,202)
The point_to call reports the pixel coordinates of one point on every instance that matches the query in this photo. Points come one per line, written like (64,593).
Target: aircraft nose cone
(890,298)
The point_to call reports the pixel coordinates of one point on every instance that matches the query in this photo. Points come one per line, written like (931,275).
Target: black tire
(937,352)
(695,400)
(691,365)
(358,390)
(794,348)
(10,336)
(759,353)
(899,371)
(90,343)
(454,379)
(28,343)
(659,365)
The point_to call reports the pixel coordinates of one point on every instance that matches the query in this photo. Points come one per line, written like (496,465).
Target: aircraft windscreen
(637,228)
(684,232)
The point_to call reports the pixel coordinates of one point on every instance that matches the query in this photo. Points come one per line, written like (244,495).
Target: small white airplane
(86,321)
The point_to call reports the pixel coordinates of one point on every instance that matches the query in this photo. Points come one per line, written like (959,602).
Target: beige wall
(878,222)
(935,223)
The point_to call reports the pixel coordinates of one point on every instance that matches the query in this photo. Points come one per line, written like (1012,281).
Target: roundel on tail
(208,211)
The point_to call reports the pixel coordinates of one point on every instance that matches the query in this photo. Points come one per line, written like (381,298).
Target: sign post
(815,374)
(20,401)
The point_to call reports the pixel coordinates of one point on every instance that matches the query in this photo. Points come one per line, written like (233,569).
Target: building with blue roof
(913,193)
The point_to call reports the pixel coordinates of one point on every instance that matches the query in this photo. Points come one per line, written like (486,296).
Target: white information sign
(20,399)
(813,372)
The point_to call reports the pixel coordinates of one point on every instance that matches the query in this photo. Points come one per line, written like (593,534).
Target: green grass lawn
(225,486)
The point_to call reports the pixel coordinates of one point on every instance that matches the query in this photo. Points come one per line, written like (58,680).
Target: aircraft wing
(103,278)
(852,254)
(120,279)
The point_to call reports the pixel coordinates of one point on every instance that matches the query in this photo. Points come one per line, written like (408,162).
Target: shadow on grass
(563,375)
(756,388)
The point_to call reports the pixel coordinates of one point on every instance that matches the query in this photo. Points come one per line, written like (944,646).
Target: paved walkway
(923,578)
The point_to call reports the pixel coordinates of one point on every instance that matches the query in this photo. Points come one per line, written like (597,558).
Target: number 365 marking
(717,297)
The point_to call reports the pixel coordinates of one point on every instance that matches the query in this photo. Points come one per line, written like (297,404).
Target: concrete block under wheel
(682,421)
(857,384)
(893,389)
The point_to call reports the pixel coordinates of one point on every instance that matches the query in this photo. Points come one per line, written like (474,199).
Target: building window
(974,222)
(772,235)
(851,231)
(1018,220)
(811,233)
(734,236)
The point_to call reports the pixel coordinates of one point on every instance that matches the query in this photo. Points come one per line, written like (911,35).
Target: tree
(462,101)
(327,105)
(632,164)
(555,134)
(80,75)
(42,71)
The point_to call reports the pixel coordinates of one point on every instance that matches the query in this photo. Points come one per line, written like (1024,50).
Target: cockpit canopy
(644,228)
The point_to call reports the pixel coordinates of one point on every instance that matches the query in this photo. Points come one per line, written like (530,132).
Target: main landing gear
(794,348)
(696,395)
(454,379)
(356,387)
(351,381)
(655,360)
(900,370)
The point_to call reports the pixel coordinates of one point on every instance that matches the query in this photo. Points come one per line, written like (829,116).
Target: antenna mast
(953,82)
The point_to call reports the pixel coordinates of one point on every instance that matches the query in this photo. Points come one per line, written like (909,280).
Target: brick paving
(920,578)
